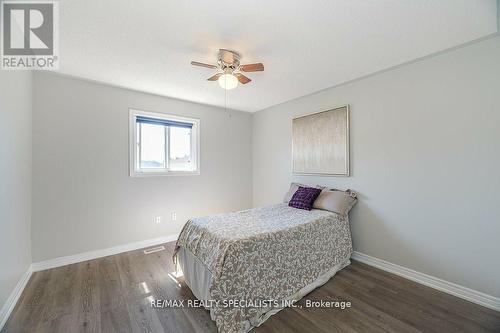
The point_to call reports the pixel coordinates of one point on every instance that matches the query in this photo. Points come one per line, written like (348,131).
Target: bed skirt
(198,278)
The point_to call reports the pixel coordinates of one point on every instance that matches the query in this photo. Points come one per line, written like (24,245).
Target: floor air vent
(154,249)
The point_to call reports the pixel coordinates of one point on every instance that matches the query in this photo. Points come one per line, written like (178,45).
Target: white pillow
(336,201)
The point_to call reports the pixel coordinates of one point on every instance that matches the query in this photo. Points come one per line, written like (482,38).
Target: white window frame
(133,146)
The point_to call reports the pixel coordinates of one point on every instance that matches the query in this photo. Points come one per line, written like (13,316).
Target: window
(162,144)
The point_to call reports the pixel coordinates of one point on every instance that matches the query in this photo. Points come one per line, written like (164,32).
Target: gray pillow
(336,201)
(293,188)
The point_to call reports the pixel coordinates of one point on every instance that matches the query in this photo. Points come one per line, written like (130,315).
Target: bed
(245,266)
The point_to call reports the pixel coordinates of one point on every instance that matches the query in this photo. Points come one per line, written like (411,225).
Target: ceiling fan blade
(196,63)
(242,78)
(214,77)
(258,67)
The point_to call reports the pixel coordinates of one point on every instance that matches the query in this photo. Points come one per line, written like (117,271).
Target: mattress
(274,253)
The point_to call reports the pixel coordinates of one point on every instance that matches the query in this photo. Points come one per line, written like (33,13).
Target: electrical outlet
(174,216)
(157,219)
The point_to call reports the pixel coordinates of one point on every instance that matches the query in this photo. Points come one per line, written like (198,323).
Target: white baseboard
(14,297)
(471,295)
(67,260)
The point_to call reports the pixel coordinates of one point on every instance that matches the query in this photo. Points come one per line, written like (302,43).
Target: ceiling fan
(229,69)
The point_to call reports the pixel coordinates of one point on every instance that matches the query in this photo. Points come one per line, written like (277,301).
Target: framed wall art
(320,143)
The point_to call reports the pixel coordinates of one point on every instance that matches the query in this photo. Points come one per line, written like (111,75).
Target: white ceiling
(305,46)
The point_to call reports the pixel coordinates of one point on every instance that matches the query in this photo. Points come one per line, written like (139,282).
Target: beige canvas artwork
(321,143)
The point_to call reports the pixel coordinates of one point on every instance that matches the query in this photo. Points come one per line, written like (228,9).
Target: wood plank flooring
(113,294)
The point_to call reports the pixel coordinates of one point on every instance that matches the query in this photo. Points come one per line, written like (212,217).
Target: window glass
(152,146)
(180,149)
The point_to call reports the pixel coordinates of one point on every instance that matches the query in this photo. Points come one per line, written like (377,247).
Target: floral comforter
(266,253)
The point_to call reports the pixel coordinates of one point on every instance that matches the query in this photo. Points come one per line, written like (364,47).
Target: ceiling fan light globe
(228,81)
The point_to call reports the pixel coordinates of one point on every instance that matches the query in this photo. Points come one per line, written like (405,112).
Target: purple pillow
(304,197)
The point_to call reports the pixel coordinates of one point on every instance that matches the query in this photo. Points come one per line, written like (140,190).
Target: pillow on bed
(304,197)
(293,188)
(336,201)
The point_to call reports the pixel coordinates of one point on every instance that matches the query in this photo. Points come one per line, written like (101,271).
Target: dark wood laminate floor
(113,294)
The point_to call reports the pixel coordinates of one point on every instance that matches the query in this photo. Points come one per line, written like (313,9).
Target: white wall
(425,158)
(15,178)
(83,197)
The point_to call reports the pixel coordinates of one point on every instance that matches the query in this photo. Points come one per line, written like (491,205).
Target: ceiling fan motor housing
(228,60)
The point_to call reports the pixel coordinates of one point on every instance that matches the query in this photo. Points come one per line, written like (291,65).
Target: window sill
(164,173)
